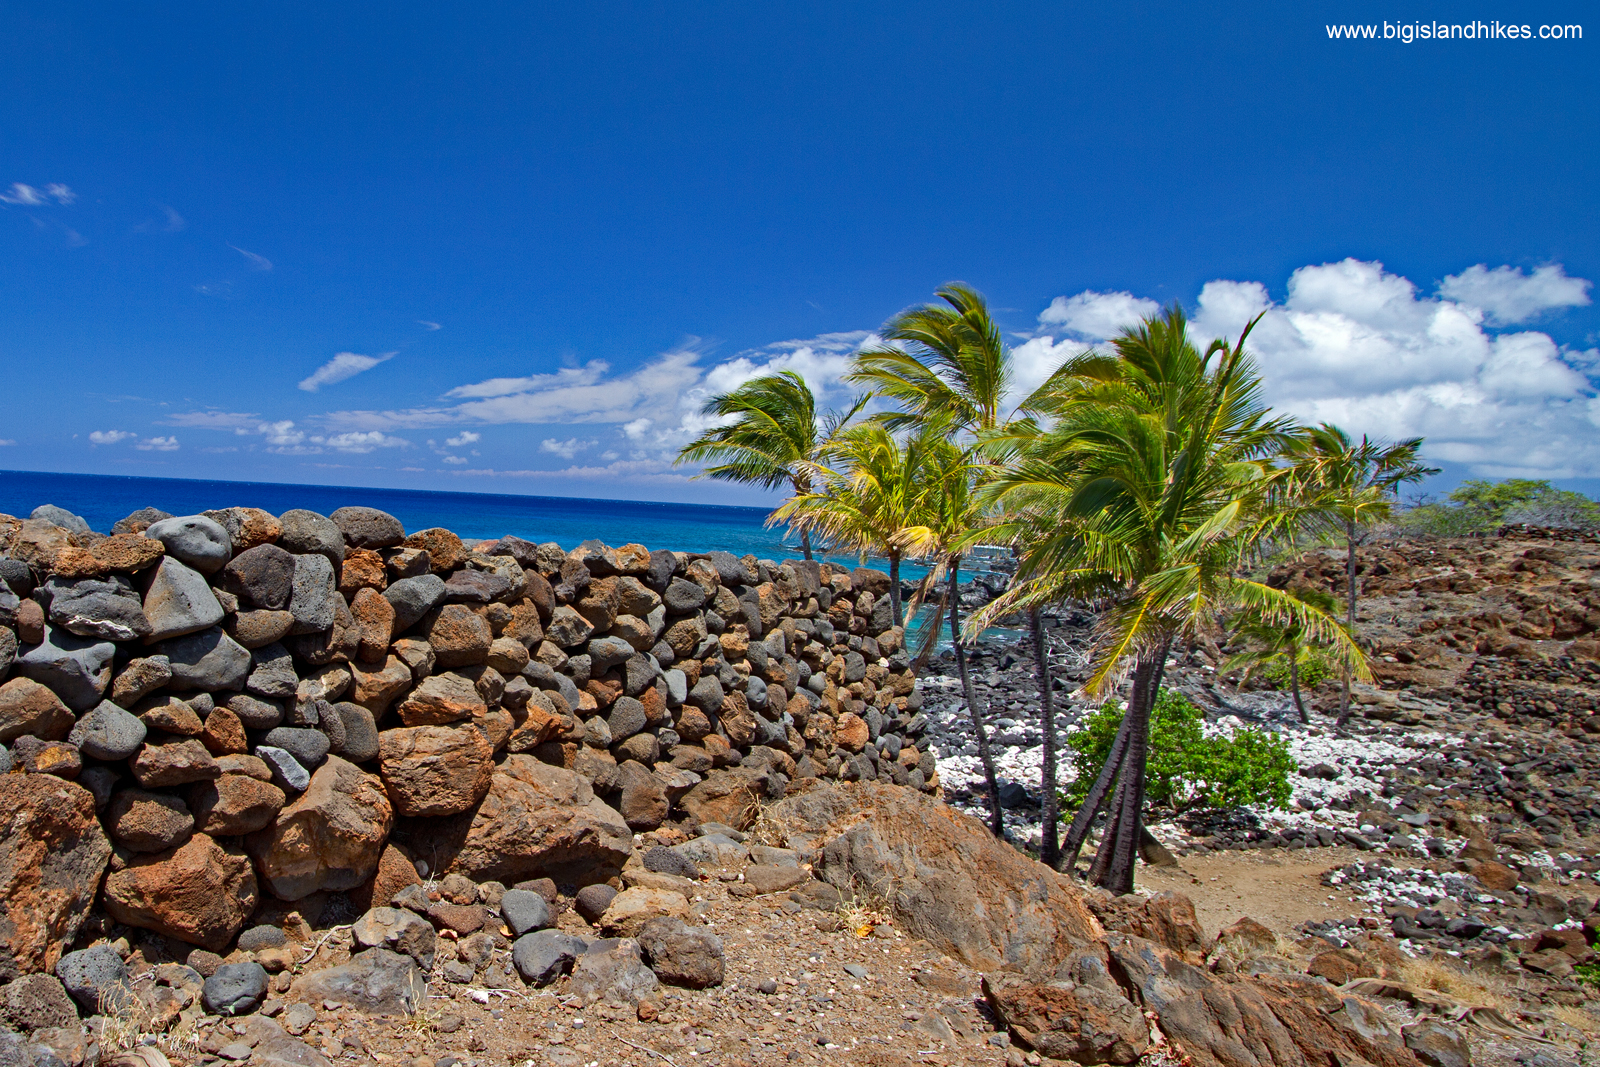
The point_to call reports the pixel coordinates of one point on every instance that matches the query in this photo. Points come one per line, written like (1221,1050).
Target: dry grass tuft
(1454,982)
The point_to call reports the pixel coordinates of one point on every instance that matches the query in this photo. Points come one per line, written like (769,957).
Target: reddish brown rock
(200,893)
(463,919)
(224,733)
(643,804)
(169,714)
(123,553)
(738,721)
(460,637)
(540,723)
(257,629)
(524,624)
(536,821)
(375,687)
(395,872)
(52,855)
(174,763)
(442,698)
(148,822)
(1496,877)
(374,618)
(26,707)
(38,542)
(1085,1022)
(693,724)
(435,770)
(850,732)
(655,706)
(445,550)
(329,838)
(33,756)
(234,804)
(363,569)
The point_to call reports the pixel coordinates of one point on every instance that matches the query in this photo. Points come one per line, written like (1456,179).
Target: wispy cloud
(255,261)
(149,444)
(284,438)
(565,449)
(341,367)
(24,195)
(425,324)
(6,441)
(158,444)
(238,421)
(172,223)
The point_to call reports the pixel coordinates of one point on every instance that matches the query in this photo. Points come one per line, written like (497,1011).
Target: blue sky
(507,248)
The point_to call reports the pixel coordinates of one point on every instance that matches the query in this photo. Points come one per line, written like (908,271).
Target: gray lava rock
(195,540)
(35,1001)
(707,695)
(97,612)
(208,660)
(108,733)
(360,742)
(308,747)
(255,714)
(377,982)
(613,970)
(731,570)
(235,989)
(524,911)
(306,532)
(178,601)
(259,937)
(72,667)
(475,587)
(626,719)
(314,589)
(263,575)
(142,519)
(400,931)
(368,527)
(61,517)
(272,673)
(677,686)
(682,955)
(665,861)
(543,956)
(607,652)
(94,976)
(412,598)
(683,596)
(287,773)
(593,900)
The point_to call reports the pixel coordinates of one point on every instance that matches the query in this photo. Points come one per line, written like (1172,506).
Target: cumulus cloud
(1508,296)
(158,444)
(464,438)
(343,366)
(1358,346)
(110,437)
(565,449)
(256,262)
(28,196)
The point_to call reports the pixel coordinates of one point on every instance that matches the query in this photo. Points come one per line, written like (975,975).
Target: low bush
(1186,769)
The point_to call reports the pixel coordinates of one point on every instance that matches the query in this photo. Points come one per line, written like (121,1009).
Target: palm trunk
(1049,846)
(895,617)
(996,823)
(805,542)
(1113,865)
(1083,821)
(1350,619)
(1294,685)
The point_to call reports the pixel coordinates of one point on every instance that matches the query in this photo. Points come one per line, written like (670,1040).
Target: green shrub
(1314,670)
(1588,974)
(1185,768)
(1478,506)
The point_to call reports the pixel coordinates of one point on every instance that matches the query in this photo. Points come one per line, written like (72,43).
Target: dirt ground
(1278,888)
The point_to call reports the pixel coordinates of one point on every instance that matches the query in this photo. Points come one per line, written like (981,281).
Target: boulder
(37,1002)
(234,804)
(395,872)
(26,707)
(434,770)
(368,527)
(440,699)
(682,955)
(309,747)
(61,517)
(139,679)
(536,821)
(148,822)
(95,977)
(209,660)
(100,609)
(399,931)
(52,854)
(375,687)
(256,629)
(247,527)
(443,547)
(374,617)
(1437,1043)
(945,877)
(262,576)
(643,803)
(1081,1016)
(460,637)
(307,533)
(313,591)
(194,540)
(77,669)
(730,796)
(178,601)
(272,674)
(524,911)
(285,771)
(235,988)
(108,733)
(200,893)
(545,955)
(627,914)
(612,970)
(174,763)
(330,837)
(412,598)
(360,742)
(374,982)
(119,554)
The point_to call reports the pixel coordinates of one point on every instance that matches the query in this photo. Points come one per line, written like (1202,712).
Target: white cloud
(158,444)
(341,367)
(565,449)
(1507,295)
(27,196)
(110,437)
(361,442)
(1095,316)
(237,421)
(256,262)
(425,324)
(281,434)
(1355,345)
(465,437)
(458,460)
(6,441)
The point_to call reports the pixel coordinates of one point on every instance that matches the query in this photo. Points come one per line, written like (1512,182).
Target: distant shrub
(1185,768)
(1477,506)
(1314,670)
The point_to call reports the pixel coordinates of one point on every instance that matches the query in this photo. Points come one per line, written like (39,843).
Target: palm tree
(868,505)
(1270,641)
(951,372)
(774,439)
(1345,486)
(1150,491)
